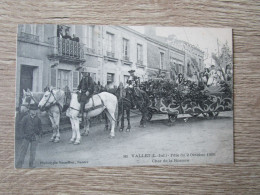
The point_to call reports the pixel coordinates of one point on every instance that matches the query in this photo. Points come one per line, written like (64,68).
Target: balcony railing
(110,54)
(66,49)
(28,37)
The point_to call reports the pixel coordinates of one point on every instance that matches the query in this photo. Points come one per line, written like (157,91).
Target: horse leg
(78,137)
(56,117)
(112,122)
(128,119)
(86,127)
(106,123)
(73,137)
(122,120)
(142,122)
(53,129)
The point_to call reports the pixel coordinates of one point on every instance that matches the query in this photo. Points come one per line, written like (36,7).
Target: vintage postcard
(93,95)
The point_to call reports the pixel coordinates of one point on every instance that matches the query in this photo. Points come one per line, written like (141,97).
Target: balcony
(28,37)
(110,57)
(66,50)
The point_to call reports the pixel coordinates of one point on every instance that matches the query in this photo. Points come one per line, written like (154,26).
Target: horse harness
(93,107)
(30,97)
(52,103)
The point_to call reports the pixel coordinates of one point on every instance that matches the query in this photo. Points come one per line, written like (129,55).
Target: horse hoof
(56,141)
(51,140)
(121,129)
(76,143)
(111,137)
(71,142)
(127,130)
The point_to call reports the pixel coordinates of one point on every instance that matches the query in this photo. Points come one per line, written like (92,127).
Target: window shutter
(75,79)
(53,77)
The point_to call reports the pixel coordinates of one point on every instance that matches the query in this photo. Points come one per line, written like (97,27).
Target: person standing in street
(31,129)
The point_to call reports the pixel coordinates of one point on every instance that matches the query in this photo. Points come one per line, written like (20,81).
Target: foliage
(188,90)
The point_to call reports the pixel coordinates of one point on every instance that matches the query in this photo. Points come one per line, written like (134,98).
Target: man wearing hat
(133,80)
(31,128)
(131,83)
(86,89)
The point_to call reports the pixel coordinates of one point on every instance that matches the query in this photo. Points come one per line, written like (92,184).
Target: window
(189,70)
(89,36)
(161,60)
(110,78)
(110,43)
(177,68)
(75,81)
(125,49)
(181,69)
(31,32)
(53,77)
(63,79)
(139,54)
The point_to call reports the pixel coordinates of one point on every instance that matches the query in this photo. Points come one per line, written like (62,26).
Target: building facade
(194,57)
(123,50)
(53,55)
(163,58)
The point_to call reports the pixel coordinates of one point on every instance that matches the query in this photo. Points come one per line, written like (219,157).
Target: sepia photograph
(102,95)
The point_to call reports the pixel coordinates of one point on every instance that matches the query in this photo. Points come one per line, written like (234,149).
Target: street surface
(199,140)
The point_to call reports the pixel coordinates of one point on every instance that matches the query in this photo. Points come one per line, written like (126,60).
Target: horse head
(47,100)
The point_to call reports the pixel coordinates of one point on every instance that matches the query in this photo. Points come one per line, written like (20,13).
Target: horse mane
(60,96)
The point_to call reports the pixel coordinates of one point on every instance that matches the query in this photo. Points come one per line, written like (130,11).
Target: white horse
(96,105)
(53,101)
(30,98)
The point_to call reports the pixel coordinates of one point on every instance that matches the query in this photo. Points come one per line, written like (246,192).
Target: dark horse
(126,99)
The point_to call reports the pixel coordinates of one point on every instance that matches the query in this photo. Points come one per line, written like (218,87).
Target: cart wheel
(195,114)
(172,118)
(207,114)
(149,116)
(210,114)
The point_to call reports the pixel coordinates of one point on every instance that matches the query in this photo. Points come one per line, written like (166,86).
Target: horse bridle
(53,103)
(31,96)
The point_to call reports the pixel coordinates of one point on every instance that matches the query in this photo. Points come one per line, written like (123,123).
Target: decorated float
(168,97)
